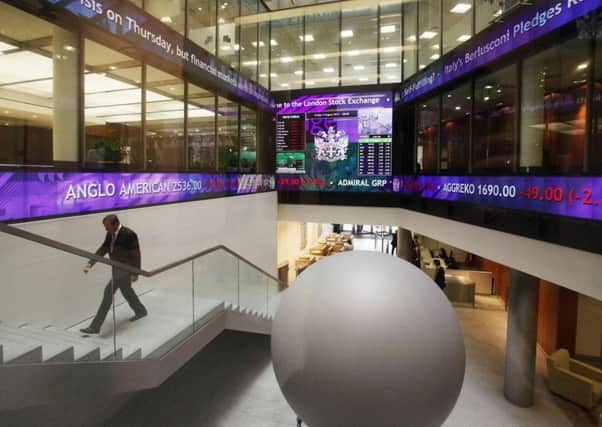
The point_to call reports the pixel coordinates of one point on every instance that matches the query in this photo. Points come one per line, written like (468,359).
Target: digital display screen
(28,195)
(335,142)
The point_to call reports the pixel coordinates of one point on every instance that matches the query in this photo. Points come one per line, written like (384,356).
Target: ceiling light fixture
(427,35)
(345,34)
(328,70)
(463,38)
(460,8)
(387,29)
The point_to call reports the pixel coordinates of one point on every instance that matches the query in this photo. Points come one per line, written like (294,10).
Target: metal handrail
(36,238)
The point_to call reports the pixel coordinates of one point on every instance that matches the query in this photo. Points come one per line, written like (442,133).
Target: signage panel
(524,27)
(31,195)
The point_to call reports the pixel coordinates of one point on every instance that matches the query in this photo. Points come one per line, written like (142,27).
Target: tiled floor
(231,384)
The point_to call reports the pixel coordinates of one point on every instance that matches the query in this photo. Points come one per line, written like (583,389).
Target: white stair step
(104,346)
(51,352)
(15,352)
(81,348)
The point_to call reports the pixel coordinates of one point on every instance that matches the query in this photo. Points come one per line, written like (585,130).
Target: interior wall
(289,241)
(557,317)
(589,327)
(42,285)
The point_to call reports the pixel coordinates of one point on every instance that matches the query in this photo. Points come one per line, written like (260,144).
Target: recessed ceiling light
(273,75)
(421,66)
(309,83)
(221,20)
(345,34)
(328,70)
(435,46)
(284,84)
(499,91)
(263,75)
(391,77)
(69,48)
(363,79)
(582,66)
(390,49)
(319,56)
(411,38)
(225,47)
(458,107)
(286,59)
(405,61)
(273,42)
(358,67)
(449,95)
(486,98)
(488,87)
(461,8)
(261,44)
(435,57)
(249,63)
(298,72)
(391,65)
(427,35)
(112,67)
(387,29)
(353,53)
(167,20)
(307,38)
(463,38)
(237,47)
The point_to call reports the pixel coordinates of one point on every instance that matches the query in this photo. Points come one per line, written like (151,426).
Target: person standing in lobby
(121,243)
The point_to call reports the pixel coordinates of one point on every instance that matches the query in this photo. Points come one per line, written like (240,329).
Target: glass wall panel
(595,152)
(494,121)
(457,18)
(554,86)
(228,43)
(287,54)
(165,140)
(38,68)
(390,43)
(249,41)
(228,143)
(113,108)
(248,140)
(263,48)
(358,43)
(427,135)
(170,12)
(456,109)
(201,23)
(201,129)
(322,37)
(410,39)
(485,12)
(429,32)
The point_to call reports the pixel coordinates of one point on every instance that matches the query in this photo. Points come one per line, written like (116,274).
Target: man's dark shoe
(138,316)
(89,330)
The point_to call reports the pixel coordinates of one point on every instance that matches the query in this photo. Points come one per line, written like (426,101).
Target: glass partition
(457,18)
(113,108)
(171,13)
(248,140)
(595,145)
(358,47)
(553,103)
(201,129)
(410,39)
(322,47)
(494,121)
(202,23)
(228,32)
(249,42)
(390,43)
(455,129)
(286,45)
(485,12)
(228,145)
(427,135)
(165,139)
(429,32)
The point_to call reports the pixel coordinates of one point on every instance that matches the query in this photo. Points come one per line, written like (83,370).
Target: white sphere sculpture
(364,339)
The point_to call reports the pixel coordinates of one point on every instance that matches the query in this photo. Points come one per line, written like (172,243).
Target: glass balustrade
(48,299)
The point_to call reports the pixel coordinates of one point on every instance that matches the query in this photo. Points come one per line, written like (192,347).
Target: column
(65,95)
(404,245)
(521,339)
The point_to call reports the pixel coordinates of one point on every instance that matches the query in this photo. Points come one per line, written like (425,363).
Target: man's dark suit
(125,249)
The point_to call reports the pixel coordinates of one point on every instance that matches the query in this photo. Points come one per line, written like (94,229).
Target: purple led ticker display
(29,195)
(532,23)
